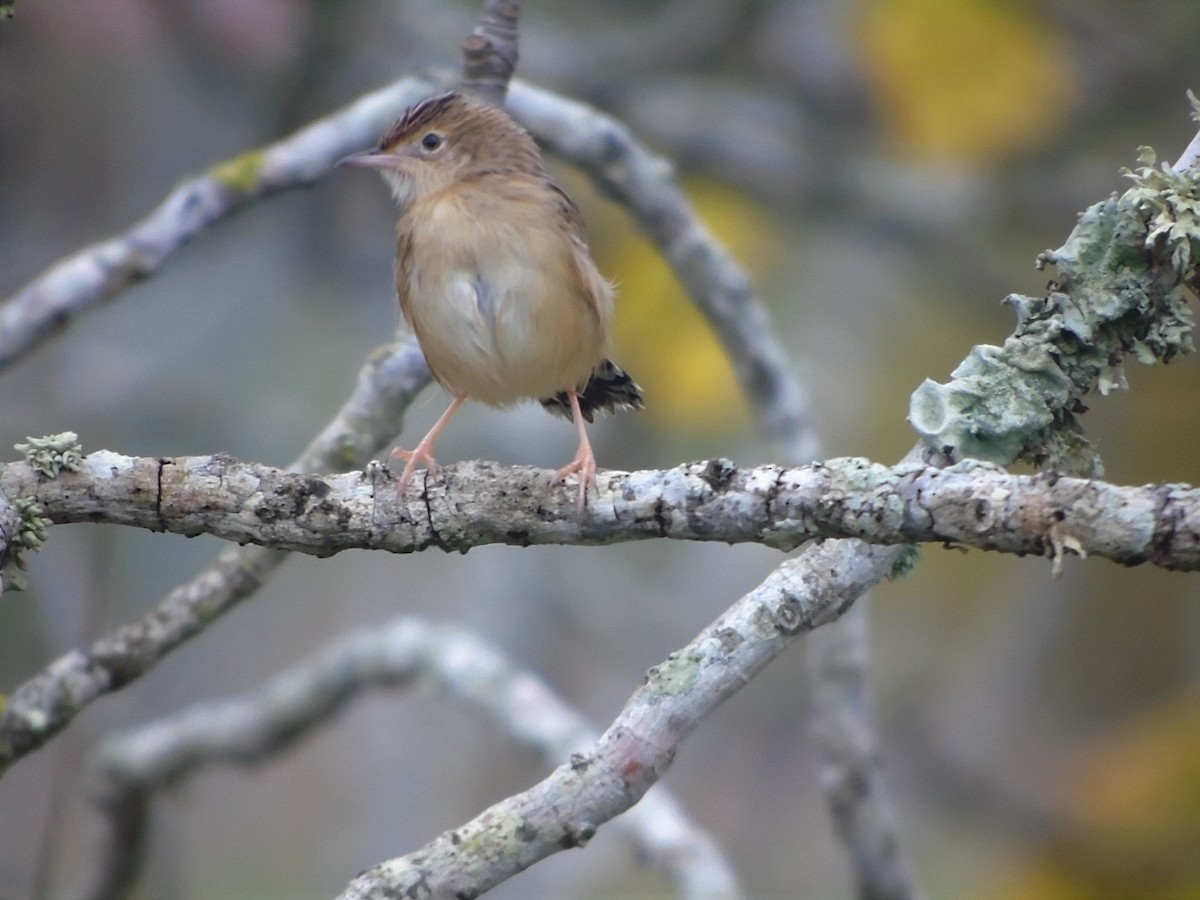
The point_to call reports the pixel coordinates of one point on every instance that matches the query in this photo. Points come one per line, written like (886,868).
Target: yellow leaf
(660,336)
(969,80)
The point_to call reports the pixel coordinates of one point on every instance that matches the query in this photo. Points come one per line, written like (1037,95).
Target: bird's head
(446,139)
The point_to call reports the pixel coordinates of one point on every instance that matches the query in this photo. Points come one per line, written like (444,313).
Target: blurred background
(887,170)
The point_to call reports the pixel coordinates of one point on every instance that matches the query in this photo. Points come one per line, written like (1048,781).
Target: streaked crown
(462,132)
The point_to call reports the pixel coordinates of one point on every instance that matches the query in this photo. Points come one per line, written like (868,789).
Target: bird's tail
(610,389)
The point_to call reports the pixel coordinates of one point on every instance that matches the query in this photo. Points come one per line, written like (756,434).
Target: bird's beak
(369,160)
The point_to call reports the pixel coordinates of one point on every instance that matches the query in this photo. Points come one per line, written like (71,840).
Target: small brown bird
(493,273)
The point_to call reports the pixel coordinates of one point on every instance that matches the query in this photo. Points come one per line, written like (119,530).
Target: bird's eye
(431,141)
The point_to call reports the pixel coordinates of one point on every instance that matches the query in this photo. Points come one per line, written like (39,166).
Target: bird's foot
(413,460)
(583,465)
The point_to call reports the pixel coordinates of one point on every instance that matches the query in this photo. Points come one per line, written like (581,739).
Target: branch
(102,271)
(476,503)
(252,729)
(490,52)
(565,810)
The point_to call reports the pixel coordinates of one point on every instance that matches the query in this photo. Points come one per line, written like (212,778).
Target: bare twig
(849,760)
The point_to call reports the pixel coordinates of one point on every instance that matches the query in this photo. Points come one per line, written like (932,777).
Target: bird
(494,274)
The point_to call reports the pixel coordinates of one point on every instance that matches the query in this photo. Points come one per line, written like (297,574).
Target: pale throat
(402,186)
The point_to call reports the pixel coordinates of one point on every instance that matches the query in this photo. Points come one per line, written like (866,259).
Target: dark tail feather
(609,389)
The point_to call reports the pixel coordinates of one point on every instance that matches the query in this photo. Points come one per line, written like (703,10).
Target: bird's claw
(413,460)
(585,467)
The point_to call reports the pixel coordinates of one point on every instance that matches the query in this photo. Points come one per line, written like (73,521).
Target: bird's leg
(423,452)
(584,463)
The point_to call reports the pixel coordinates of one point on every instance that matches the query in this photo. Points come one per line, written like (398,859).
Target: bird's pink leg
(584,463)
(423,452)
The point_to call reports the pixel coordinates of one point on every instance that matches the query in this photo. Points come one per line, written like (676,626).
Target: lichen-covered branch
(476,503)
(565,810)
(1122,282)
(253,729)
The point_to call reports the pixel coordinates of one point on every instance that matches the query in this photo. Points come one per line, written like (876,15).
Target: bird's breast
(496,303)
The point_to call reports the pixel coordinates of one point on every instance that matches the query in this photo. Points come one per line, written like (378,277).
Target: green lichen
(240,173)
(905,562)
(7,10)
(31,534)
(677,675)
(1122,282)
(53,454)
(1170,205)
